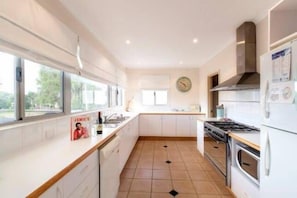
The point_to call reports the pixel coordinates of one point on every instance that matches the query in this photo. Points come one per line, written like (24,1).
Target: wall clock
(183,84)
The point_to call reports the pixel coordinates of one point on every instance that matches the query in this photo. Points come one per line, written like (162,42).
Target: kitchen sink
(111,125)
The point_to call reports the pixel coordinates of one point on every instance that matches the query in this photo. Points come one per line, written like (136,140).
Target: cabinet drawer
(80,172)
(88,185)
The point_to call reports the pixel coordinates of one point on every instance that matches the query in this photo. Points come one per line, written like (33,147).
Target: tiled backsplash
(242,106)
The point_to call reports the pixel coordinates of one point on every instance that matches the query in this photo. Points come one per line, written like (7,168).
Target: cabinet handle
(267,156)
(265,102)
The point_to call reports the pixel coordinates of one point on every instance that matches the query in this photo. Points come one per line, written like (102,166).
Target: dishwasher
(109,168)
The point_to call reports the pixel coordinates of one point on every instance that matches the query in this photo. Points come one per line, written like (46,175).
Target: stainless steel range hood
(246,77)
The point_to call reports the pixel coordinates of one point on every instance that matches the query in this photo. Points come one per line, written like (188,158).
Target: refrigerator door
(278,115)
(278,170)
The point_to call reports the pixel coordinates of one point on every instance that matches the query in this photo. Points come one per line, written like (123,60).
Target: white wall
(177,100)
(241,106)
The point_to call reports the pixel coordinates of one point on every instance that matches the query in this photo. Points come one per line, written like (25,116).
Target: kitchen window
(154,97)
(87,94)
(28,89)
(43,89)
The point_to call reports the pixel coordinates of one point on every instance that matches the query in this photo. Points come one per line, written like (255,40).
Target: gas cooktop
(230,126)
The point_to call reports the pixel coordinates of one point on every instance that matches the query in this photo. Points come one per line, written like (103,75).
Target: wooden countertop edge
(37,192)
(255,146)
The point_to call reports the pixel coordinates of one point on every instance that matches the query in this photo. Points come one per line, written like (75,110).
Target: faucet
(107,118)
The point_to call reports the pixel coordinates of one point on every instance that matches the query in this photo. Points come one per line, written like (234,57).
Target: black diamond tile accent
(173,193)
(165,146)
(168,162)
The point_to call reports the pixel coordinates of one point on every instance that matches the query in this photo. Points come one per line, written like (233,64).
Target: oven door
(215,150)
(248,162)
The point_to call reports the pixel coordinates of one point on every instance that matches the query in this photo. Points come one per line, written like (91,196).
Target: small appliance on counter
(220,111)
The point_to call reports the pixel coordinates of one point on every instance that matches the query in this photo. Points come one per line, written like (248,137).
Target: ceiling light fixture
(128,42)
(181,62)
(195,40)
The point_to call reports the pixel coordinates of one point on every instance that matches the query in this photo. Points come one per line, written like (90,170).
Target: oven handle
(214,137)
(267,153)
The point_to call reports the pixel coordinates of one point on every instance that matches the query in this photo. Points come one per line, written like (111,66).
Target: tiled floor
(156,168)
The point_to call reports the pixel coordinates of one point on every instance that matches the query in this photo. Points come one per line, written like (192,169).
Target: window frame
(155,97)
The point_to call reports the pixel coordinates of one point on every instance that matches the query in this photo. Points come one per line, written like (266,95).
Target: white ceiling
(162,31)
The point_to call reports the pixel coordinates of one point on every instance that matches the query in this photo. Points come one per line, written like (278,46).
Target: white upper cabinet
(282,23)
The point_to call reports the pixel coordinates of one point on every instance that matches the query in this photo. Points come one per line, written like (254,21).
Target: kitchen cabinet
(150,125)
(282,22)
(168,125)
(128,138)
(82,181)
(200,136)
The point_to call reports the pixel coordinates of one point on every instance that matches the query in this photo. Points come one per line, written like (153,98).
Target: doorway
(213,96)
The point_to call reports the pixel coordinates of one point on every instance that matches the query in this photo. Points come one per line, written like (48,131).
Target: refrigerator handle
(265,102)
(267,156)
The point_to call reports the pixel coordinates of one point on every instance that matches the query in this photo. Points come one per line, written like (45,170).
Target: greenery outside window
(43,89)
(87,94)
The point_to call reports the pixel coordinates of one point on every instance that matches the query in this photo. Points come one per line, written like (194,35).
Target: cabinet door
(193,125)
(150,125)
(55,191)
(278,171)
(169,125)
(200,136)
(183,125)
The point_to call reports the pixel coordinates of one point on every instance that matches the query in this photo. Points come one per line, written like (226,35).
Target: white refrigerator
(278,162)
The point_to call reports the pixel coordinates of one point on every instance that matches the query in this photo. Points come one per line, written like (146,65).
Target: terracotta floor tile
(183,186)
(161,195)
(187,196)
(199,175)
(147,175)
(139,195)
(161,174)
(193,166)
(128,173)
(145,164)
(141,185)
(122,195)
(161,164)
(125,185)
(143,174)
(177,166)
(179,174)
(205,187)
(162,186)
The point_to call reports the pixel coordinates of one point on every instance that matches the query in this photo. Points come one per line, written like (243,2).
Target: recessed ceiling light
(195,40)
(128,42)
(181,62)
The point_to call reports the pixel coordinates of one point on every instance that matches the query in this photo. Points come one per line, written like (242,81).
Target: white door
(278,171)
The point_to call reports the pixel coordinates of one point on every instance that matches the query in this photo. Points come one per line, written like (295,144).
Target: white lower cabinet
(168,125)
(150,125)
(241,186)
(128,138)
(200,136)
(81,181)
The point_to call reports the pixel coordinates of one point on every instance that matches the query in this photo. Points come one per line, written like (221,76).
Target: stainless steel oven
(217,150)
(248,162)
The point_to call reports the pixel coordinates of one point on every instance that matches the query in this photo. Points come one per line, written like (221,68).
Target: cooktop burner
(231,126)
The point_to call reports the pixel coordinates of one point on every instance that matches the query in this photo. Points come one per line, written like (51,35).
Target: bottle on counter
(100,124)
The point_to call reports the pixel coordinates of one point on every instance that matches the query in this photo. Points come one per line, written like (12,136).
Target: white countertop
(172,113)
(23,173)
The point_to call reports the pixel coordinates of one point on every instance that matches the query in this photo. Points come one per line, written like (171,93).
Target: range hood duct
(247,76)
